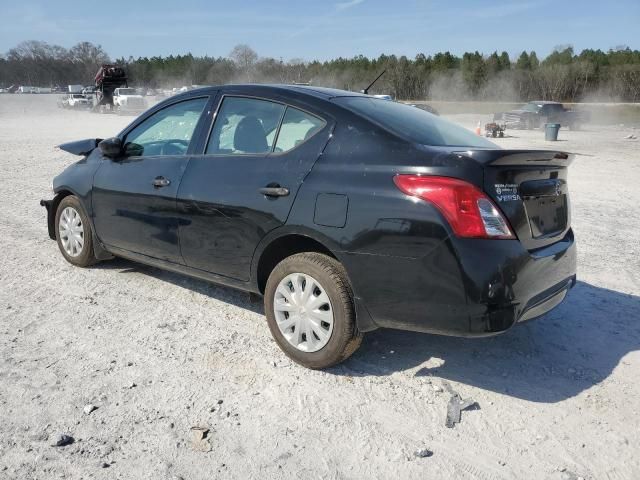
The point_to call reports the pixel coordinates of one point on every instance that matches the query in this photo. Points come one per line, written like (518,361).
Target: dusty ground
(159,353)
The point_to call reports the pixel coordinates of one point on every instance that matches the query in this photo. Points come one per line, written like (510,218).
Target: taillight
(468,210)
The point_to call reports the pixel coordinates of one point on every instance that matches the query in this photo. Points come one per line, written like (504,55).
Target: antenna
(366,90)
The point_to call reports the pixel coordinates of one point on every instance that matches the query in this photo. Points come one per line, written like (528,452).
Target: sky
(323,30)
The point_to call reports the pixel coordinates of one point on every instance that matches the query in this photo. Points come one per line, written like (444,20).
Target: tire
(83,256)
(330,278)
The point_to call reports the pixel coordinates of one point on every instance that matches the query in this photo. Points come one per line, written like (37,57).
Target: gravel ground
(159,354)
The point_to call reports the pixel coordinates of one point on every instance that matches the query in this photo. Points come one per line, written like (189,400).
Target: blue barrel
(551,131)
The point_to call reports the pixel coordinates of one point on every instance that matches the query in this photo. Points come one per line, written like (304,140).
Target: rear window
(413,123)
(297,127)
(553,107)
(530,107)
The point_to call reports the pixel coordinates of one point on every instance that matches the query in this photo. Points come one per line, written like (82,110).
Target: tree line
(564,75)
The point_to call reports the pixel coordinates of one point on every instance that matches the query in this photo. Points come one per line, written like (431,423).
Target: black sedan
(347,212)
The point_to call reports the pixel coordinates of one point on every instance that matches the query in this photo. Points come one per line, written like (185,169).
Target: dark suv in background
(535,114)
(347,213)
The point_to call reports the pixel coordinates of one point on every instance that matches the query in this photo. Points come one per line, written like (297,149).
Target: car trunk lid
(530,188)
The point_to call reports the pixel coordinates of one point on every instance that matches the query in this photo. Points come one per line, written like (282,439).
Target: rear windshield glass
(413,123)
(530,107)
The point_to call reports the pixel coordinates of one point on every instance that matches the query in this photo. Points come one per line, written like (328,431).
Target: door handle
(275,191)
(161,182)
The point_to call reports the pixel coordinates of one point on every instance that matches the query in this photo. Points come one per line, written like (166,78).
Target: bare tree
(245,58)
(297,67)
(88,57)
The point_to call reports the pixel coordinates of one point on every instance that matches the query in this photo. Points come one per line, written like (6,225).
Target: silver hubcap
(303,312)
(71,232)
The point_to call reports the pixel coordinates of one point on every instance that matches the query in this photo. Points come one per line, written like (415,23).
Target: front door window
(166,132)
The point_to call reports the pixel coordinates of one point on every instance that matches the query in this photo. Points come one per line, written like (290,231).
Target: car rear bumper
(470,287)
(547,301)
(523,284)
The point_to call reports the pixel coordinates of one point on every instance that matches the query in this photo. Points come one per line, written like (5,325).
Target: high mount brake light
(468,210)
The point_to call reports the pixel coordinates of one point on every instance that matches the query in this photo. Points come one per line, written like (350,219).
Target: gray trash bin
(551,131)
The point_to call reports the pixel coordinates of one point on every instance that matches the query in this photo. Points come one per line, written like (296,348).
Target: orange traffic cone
(478,132)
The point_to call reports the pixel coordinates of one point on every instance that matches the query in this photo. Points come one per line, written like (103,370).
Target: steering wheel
(174,147)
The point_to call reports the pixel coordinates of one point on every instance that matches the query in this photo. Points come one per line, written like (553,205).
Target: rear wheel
(73,233)
(310,312)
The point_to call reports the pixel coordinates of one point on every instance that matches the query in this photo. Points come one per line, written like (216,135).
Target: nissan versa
(347,212)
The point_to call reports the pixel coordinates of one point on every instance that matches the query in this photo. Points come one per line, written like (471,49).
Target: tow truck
(107,80)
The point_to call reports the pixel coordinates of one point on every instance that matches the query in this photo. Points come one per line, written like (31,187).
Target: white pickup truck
(129,100)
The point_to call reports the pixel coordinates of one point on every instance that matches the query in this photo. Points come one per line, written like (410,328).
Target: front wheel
(73,233)
(310,312)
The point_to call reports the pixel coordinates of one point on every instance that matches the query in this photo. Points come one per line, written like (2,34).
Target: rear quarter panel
(395,248)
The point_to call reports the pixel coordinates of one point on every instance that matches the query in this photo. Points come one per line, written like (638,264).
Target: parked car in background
(347,212)
(535,114)
(74,101)
(128,100)
(89,91)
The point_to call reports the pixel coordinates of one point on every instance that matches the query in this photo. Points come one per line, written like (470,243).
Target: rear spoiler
(80,147)
(531,158)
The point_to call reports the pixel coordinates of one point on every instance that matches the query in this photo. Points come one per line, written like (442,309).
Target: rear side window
(297,127)
(413,123)
(245,126)
(552,108)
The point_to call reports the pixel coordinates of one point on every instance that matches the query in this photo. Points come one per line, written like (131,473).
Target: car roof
(317,92)
(545,102)
(324,91)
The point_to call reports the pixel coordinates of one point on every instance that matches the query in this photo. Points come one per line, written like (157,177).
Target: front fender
(77,179)
(52,207)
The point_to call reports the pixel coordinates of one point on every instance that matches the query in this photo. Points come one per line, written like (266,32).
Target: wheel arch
(289,241)
(99,251)
(52,208)
(286,242)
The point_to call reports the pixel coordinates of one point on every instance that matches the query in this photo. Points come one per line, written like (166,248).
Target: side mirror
(111,147)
